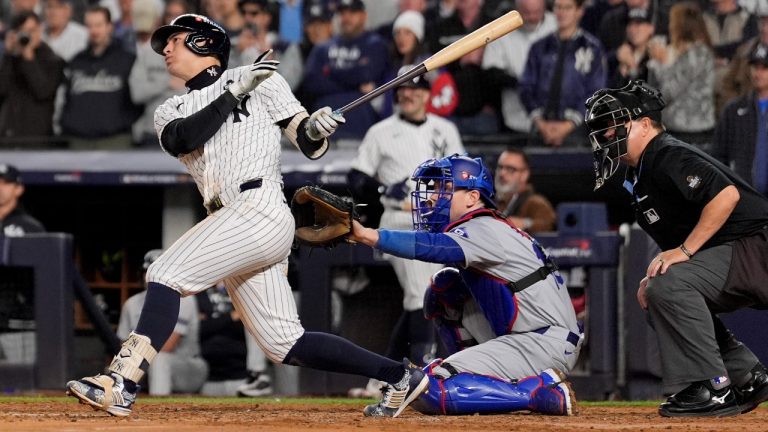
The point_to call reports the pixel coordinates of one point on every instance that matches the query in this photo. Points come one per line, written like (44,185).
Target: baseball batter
(500,306)
(227,130)
(389,153)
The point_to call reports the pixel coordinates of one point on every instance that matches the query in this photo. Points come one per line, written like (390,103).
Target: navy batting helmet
(205,38)
(608,111)
(440,178)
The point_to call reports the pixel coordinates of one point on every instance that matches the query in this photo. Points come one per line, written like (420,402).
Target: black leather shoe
(755,391)
(701,400)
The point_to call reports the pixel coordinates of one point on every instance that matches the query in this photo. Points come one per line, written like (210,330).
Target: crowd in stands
(80,74)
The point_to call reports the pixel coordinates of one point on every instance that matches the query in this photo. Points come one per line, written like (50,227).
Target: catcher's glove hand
(322,218)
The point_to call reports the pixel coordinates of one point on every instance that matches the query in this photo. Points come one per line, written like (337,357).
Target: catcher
(500,307)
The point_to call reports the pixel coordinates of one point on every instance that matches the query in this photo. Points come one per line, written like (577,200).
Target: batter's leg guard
(443,303)
(108,392)
(466,393)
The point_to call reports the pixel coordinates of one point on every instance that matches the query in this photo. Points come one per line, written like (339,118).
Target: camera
(23,38)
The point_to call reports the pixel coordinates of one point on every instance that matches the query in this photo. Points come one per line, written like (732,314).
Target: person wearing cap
(504,60)
(178,367)
(14,220)
(256,37)
(741,136)
(349,65)
(390,152)
(318,27)
(631,60)
(712,231)
(737,80)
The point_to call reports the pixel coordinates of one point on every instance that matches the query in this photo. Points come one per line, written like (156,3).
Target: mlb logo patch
(460,231)
(693,181)
(720,380)
(651,216)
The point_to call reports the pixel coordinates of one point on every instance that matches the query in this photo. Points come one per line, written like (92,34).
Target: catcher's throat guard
(322,218)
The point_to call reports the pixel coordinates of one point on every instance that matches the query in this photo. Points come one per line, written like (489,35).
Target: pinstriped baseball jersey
(390,152)
(247,146)
(245,243)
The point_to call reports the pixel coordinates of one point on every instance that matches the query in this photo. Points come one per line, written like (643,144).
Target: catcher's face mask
(431,200)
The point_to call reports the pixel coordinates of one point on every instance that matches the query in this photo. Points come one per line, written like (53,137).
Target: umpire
(712,228)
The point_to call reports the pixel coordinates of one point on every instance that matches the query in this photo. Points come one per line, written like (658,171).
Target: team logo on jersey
(212,71)
(460,231)
(693,181)
(241,109)
(651,216)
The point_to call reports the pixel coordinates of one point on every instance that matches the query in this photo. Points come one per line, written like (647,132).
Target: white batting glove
(323,122)
(256,74)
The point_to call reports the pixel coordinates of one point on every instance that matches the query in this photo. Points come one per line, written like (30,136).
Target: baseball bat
(480,37)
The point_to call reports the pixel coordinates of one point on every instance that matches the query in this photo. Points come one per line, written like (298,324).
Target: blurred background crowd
(81,75)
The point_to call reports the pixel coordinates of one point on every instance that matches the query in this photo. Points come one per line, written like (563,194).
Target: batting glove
(323,122)
(256,74)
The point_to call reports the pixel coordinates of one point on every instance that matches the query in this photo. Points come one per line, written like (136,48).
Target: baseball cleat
(755,391)
(115,400)
(700,399)
(555,396)
(398,396)
(258,384)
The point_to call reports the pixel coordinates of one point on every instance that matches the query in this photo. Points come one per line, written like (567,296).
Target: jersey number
(241,109)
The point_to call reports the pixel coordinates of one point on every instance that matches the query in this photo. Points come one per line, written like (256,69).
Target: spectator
(741,140)
(346,67)
(505,60)
(174,8)
(318,30)
(123,27)
(612,27)
(290,20)
(684,71)
(98,111)
(30,72)
(632,56)
(178,367)
(595,12)
(515,197)
(388,155)
(226,349)
(409,49)
(562,71)
(257,38)
(728,25)
(475,114)
(65,36)
(149,81)
(737,79)
(14,220)
(227,13)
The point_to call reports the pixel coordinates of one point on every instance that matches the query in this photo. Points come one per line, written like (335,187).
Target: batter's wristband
(685,250)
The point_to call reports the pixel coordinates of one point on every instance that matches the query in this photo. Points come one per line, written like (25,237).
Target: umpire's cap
(206,38)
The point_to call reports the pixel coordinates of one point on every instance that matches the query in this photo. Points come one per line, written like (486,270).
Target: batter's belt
(216,202)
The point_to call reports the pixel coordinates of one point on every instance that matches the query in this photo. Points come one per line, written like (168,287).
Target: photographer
(30,72)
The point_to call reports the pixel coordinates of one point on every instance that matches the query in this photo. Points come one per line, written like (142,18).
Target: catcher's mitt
(322,218)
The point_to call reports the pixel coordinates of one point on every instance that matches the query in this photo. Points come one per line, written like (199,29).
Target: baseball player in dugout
(516,199)
(500,306)
(712,228)
(390,151)
(227,130)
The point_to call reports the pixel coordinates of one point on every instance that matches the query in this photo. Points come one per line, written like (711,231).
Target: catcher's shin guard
(467,393)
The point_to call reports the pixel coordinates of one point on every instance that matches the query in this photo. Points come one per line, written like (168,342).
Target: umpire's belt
(571,337)
(215,203)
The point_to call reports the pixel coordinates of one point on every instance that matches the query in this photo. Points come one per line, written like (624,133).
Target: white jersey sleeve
(369,153)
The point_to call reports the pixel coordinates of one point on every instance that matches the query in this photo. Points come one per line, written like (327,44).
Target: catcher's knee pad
(134,357)
(495,300)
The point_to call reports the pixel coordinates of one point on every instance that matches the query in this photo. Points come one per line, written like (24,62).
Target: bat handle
(419,69)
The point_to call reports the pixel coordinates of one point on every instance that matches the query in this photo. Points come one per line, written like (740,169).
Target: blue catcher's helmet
(437,179)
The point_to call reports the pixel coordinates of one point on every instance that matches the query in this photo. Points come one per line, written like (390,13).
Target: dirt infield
(63,415)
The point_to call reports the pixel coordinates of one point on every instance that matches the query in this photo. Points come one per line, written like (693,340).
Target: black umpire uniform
(672,185)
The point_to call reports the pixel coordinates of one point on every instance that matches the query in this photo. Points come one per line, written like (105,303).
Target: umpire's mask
(608,117)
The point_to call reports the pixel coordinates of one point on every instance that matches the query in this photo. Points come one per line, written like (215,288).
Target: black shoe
(701,400)
(755,391)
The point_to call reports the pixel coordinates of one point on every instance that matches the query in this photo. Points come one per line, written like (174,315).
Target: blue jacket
(334,72)
(584,72)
